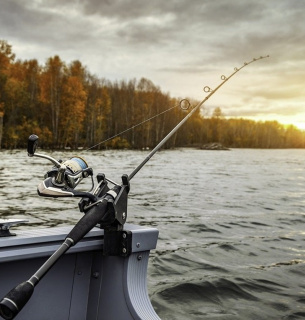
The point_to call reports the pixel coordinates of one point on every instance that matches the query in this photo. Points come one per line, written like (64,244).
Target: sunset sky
(180,45)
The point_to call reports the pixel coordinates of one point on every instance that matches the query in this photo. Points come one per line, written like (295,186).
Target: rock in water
(214,146)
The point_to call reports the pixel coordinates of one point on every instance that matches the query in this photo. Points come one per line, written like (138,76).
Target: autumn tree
(15,103)
(51,85)
(294,138)
(98,107)
(72,106)
(144,98)
(217,125)
(6,59)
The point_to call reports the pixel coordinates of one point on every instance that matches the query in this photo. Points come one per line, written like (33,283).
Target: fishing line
(184,104)
(134,126)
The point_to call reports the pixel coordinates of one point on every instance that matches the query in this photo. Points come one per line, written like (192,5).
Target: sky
(180,45)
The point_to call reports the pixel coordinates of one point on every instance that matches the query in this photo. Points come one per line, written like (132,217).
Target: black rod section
(16,299)
(68,243)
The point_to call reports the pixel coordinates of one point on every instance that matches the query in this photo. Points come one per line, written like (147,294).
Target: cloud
(181,45)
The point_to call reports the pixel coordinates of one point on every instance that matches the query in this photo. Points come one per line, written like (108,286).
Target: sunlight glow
(300,125)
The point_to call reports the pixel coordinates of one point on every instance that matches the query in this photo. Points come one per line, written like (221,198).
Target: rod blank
(169,135)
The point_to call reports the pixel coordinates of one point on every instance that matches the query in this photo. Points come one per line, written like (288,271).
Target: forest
(68,107)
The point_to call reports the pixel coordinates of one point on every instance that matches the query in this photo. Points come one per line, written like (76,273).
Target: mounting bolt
(124,235)
(139,257)
(138,245)
(95,275)
(124,250)
(124,215)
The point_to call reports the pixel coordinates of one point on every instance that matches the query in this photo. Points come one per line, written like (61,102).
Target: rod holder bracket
(116,215)
(117,243)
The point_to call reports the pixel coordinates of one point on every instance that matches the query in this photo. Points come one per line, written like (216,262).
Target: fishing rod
(187,103)
(102,206)
(184,105)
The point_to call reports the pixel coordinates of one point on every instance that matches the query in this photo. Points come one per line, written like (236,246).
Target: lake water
(232,225)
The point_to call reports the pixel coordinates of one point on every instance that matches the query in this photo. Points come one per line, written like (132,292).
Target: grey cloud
(44,26)
(187,12)
(178,43)
(197,24)
(189,18)
(19,21)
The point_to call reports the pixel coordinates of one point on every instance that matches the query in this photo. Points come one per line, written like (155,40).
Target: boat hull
(84,284)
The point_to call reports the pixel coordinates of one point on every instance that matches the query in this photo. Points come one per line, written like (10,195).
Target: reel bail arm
(62,179)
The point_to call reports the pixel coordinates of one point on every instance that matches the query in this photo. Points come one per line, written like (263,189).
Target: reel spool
(76,164)
(70,173)
(63,178)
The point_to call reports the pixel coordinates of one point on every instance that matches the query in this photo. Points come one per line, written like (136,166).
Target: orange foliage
(69,107)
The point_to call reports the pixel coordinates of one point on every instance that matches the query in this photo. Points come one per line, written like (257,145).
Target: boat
(87,283)
(95,270)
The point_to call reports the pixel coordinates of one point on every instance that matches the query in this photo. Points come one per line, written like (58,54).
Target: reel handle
(32,144)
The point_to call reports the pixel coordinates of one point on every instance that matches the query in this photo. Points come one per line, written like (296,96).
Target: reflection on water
(231,225)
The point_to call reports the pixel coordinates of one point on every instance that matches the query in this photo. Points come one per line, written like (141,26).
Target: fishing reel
(64,177)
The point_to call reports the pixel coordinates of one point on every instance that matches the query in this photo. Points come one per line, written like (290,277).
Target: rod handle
(15,300)
(88,221)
